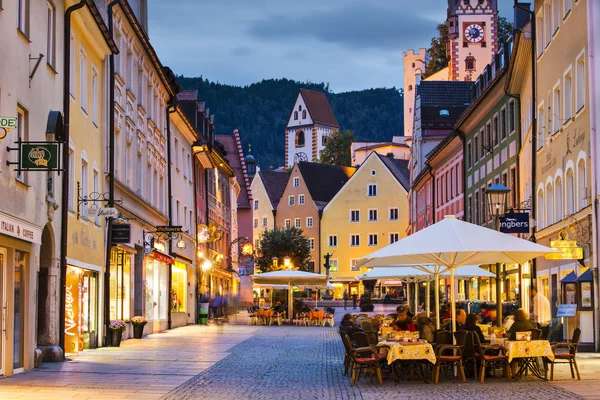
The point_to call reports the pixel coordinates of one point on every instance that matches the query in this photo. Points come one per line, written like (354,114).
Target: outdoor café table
(528,352)
(408,353)
(401,334)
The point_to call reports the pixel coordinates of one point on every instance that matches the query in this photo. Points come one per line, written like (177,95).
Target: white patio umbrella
(451,243)
(289,277)
(417,274)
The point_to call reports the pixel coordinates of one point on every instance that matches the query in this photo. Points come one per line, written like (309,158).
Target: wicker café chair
(567,357)
(491,356)
(446,357)
(365,357)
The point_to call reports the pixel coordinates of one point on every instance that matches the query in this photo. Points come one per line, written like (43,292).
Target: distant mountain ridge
(260,111)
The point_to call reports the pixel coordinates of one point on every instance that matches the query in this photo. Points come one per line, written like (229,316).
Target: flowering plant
(117,325)
(139,320)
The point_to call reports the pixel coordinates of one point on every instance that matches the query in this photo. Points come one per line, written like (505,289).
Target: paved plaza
(236,361)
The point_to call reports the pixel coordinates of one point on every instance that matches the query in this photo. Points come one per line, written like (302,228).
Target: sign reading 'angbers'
(515,223)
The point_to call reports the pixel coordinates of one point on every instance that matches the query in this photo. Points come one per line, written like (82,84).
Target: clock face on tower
(474,33)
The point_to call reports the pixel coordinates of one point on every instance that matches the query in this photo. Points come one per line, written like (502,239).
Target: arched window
(549,205)
(295,115)
(570,192)
(300,107)
(581,186)
(558,199)
(304,114)
(300,139)
(540,209)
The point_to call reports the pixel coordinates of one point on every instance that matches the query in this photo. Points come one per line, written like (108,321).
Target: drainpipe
(111,174)
(319,235)
(533,126)
(171,108)
(432,196)
(593,119)
(64,229)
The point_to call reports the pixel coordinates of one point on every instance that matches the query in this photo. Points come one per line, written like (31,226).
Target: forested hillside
(260,111)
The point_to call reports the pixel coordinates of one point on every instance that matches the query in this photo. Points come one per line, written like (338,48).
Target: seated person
(461,320)
(446,311)
(409,314)
(508,321)
(471,325)
(492,317)
(425,328)
(521,324)
(346,322)
(402,323)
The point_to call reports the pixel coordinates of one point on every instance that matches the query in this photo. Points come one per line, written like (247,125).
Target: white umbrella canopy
(289,277)
(451,243)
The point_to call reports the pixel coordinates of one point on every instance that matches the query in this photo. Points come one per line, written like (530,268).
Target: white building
(311,121)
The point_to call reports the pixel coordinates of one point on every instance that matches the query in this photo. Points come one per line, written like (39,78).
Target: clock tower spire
(472,37)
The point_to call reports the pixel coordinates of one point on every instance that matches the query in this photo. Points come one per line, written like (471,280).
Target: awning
(570,278)
(163,257)
(587,276)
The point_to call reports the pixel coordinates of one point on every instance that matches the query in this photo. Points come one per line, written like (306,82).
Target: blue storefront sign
(515,223)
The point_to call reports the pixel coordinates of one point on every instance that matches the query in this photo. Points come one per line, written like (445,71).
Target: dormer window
(295,115)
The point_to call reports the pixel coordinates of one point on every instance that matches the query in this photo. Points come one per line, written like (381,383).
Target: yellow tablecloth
(417,351)
(523,349)
(402,335)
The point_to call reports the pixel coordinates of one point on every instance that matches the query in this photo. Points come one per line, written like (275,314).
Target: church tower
(414,68)
(472,37)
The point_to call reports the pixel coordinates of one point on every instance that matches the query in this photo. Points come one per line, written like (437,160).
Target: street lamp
(275,262)
(287,262)
(497,196)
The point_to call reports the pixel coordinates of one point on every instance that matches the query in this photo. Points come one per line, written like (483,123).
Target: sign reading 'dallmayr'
(569,250)
(39,156)
(168,229)
(515,223)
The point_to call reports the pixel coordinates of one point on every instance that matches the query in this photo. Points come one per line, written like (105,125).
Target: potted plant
(138,326)
(116,328)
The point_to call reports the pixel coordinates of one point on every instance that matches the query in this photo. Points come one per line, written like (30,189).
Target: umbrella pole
(453,298)
(436,286)
(290,303)
(427,299)
(416,309)
(408,292)
(316,298)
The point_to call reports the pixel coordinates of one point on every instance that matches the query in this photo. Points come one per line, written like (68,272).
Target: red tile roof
(318,107)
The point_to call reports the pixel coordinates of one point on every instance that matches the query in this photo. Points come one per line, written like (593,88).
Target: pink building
(420,202)
(446,165)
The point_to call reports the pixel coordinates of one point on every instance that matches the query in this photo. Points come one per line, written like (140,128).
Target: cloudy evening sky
(351,44)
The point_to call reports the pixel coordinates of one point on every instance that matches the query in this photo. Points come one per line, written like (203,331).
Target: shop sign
(72,300)
(568,250)
(6,124)
(168,229)
(566,310)
(163,257)
(515,223)
(20,230)
(108,212)
(39,156)
(121,233)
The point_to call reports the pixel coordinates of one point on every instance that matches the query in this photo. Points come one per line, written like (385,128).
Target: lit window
(333,265)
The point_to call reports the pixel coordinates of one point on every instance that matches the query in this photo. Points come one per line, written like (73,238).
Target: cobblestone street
(245,362)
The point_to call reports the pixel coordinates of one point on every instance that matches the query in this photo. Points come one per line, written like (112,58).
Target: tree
(281,242)
(337,149)
(437,51)
(505,30)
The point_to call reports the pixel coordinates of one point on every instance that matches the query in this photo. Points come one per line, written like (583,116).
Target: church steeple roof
(318,107)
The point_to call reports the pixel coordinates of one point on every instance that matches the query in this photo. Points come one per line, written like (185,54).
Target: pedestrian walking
(215,307)
(354,300)
(225,305)
(541,307)
(345,298)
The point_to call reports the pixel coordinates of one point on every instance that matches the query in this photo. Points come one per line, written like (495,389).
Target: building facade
(399,148)
(311,121)
(369,212)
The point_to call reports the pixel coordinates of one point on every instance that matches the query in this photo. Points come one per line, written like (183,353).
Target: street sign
(168,229)
(566,310)
(515,223)
(108,212)
(39,156)
(121,233)
(8,122)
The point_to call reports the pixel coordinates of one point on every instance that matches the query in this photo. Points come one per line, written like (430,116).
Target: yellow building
(266,188)
(369,212)
(90,45)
